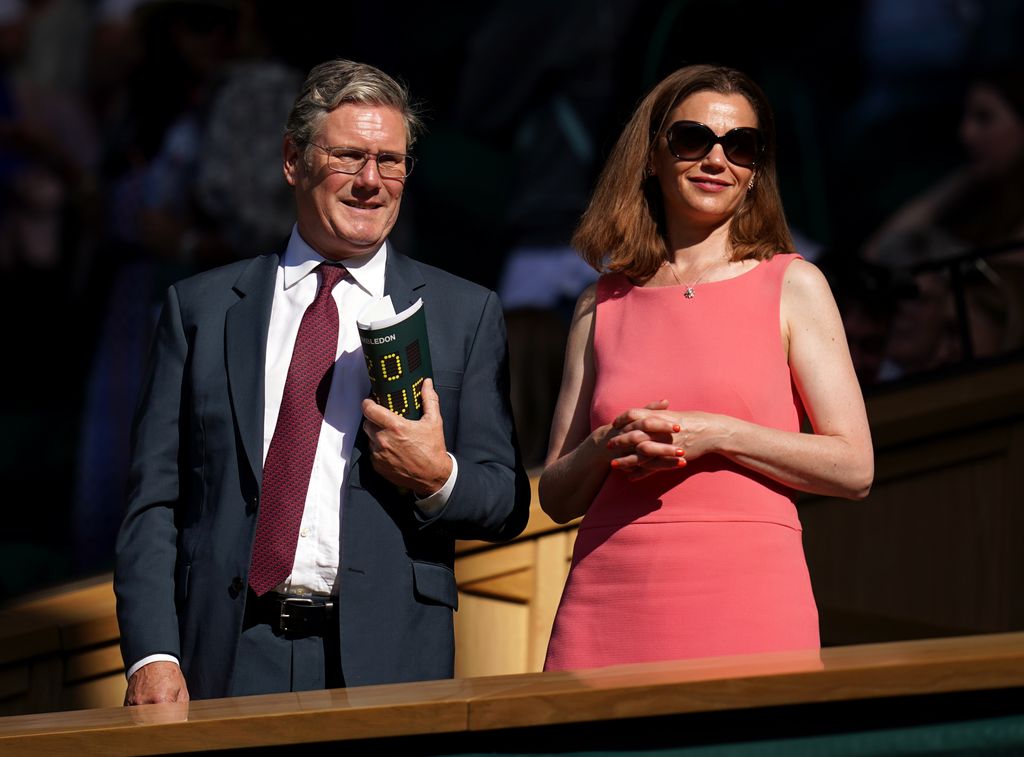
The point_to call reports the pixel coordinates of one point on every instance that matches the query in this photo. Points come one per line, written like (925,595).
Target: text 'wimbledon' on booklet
(397,355)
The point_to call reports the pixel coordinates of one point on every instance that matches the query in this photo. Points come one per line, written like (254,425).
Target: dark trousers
(270,661)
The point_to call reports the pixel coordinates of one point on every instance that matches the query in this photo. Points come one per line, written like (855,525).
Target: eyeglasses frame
(410,162)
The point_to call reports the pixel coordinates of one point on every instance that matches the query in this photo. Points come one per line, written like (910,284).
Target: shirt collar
(367,271)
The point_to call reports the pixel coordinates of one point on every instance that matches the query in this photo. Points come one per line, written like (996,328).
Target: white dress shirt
(317,555)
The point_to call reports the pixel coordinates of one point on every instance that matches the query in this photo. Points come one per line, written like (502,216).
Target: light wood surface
(59,650)
(76,615)
(275,719)
(840,674)
(782,678)
(489,634)
(508,598)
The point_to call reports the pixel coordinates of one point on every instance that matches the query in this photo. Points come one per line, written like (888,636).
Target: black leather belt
(297,616)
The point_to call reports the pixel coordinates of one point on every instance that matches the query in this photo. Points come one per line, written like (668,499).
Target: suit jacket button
(236,587)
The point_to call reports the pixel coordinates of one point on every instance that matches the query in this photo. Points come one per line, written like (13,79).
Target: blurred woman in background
(978,205)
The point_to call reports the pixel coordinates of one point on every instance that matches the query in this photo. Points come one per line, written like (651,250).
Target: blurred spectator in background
(551,115)
(978,206)
(48,159)
(867,297)
(156,228)
(194,183)
(48,146)
(922,332)
(239,185)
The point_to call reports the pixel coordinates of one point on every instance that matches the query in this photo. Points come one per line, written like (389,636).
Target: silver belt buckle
(285,615)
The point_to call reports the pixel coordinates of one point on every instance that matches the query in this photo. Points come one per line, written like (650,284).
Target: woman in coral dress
(690,366)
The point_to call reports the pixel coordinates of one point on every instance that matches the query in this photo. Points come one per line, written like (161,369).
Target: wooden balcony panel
(271,720)
(511,587)
(507,558)
(14,680)
(938,406)
(982,664)
(784,678)
(92,663)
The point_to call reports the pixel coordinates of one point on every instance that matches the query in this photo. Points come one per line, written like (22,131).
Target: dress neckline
(678,287)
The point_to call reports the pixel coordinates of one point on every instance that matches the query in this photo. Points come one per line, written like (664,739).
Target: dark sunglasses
(691,140)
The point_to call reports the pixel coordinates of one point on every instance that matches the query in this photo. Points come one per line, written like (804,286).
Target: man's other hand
(156,682)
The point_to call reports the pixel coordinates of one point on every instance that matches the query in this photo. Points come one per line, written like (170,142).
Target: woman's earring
(750,186)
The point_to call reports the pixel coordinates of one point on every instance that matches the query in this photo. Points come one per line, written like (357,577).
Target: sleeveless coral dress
(707,560)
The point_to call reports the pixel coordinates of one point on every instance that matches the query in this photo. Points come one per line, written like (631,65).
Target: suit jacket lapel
(402,280)
(245,346)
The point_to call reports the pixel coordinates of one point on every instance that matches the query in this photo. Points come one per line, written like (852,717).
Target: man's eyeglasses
(390,165)
(691,140)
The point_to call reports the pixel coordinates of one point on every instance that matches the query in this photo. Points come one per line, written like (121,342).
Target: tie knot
(331,274)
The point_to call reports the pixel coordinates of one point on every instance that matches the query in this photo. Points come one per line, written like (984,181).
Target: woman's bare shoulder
(803,279)
(586,303)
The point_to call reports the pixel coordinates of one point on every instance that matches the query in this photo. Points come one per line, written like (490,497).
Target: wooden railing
(458,715)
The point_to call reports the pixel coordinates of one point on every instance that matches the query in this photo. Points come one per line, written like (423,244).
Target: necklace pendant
(689,293)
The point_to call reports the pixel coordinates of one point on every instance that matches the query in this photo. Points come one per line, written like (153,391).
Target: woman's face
(991,131)
(707,191)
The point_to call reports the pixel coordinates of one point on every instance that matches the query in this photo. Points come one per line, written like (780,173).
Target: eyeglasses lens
(389,165)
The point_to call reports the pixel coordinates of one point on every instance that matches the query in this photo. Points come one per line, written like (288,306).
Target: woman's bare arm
(578,458)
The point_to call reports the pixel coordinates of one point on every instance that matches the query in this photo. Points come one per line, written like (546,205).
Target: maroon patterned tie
(293,446)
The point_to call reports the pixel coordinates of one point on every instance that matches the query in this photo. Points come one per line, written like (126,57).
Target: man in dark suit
(284,532)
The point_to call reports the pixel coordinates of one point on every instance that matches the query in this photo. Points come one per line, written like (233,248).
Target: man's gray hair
(340,81)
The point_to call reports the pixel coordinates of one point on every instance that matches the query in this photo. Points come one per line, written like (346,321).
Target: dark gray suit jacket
(184,547)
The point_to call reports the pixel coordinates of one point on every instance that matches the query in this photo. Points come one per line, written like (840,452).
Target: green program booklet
(397,355)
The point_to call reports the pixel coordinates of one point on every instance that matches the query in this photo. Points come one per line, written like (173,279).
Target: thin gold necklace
(689,292)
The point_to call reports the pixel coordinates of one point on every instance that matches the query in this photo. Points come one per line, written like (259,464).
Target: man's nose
(368,175)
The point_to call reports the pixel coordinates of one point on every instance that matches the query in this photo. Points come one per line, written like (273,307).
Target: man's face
(341,215)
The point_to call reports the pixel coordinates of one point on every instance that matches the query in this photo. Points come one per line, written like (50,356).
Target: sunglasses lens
(690,141)
(742,147)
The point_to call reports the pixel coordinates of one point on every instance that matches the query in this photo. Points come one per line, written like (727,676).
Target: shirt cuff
(148,659)
(435,502)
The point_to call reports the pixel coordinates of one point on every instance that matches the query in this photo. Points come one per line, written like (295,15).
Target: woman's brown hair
(623,227)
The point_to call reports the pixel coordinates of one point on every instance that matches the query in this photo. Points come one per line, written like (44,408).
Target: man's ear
(293,161)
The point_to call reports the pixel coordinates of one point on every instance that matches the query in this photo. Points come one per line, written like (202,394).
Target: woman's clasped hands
(653,438)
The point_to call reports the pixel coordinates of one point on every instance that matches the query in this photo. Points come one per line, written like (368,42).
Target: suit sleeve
(491,498)
(144,577)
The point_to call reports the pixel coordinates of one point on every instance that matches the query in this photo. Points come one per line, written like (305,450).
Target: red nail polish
(676,428)
(680,452)
(615,463)
(681,463)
